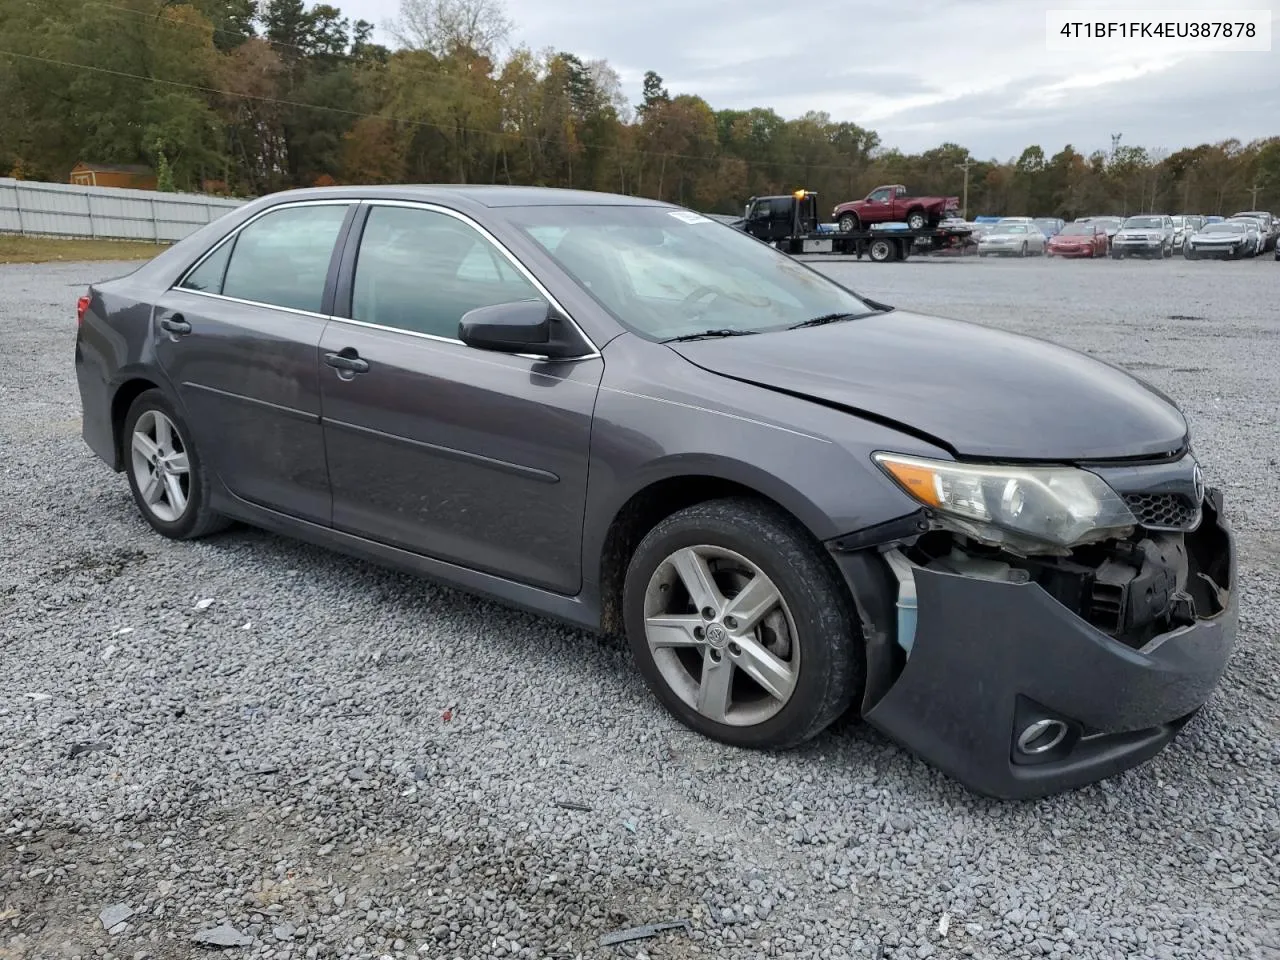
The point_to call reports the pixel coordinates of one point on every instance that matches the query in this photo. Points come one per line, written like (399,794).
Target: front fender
(660,417)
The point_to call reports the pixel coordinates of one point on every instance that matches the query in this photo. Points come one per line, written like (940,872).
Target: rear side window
(282,258)
(207,277)
(420,271)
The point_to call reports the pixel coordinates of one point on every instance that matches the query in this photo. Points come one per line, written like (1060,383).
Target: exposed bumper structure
(1121,245)
(993,662)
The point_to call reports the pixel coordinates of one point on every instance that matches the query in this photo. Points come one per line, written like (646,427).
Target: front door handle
(175,325)
(347,361)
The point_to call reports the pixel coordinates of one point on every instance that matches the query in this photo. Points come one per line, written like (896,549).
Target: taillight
(81,306)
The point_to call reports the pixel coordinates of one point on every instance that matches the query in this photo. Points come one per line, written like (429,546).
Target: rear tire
(917,220)
(808,645)
(881,251)
(168,479)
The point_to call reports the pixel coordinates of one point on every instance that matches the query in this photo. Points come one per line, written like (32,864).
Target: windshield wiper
(832,318)
(709,335)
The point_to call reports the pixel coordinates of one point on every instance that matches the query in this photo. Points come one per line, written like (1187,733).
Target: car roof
(486,195)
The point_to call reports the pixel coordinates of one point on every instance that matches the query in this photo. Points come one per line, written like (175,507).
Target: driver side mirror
(525,326)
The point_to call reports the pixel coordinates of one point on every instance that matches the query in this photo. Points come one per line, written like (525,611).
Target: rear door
(238,336)
(464,455)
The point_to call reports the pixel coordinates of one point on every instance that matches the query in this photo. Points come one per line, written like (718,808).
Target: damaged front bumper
(1017,696)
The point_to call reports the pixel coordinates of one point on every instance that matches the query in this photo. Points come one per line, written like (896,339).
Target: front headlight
(1023,509)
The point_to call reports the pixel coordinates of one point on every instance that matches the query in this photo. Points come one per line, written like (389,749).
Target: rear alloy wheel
(166,476)
(741,626)
(916,220)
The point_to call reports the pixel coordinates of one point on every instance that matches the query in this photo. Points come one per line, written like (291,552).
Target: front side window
(421,270)
(665,273)
(282,258)
(880,196)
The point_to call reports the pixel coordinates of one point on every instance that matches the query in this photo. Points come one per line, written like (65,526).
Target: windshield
(1225,228)
(1144,223)
(665,272)
(1078,230)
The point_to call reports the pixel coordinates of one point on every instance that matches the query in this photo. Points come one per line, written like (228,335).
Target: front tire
(740,625)
(1023,251)
(847,223)
(166,475)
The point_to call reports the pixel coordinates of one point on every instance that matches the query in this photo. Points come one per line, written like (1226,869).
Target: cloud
(919,72)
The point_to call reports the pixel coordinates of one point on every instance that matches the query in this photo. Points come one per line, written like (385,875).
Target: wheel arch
(121,400)
(658,496)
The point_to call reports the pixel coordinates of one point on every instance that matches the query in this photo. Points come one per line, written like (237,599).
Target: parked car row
(1152,236)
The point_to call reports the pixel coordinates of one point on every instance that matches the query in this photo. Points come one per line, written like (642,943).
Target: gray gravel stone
(222,792)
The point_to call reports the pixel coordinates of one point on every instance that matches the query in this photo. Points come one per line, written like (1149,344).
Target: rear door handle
(348,361)
(175,325)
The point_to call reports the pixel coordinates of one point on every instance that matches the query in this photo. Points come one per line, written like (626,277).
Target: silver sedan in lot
(1012,240)
(1266,223)
(1257,232)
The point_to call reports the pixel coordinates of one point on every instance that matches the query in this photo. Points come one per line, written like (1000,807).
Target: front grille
(1163,511)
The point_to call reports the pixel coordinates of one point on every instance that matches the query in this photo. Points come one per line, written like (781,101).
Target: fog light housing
(1041,736)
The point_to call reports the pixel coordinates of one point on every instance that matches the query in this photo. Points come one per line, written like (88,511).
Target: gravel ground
(334,760)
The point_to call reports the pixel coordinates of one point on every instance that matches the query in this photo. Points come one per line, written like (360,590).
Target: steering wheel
(699,293)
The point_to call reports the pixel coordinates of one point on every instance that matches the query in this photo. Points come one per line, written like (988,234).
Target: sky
(920,72)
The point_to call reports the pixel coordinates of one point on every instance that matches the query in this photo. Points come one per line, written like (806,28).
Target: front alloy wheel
(710,613)
(741,626)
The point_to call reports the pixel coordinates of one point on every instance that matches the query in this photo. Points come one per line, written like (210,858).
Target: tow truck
(790,222)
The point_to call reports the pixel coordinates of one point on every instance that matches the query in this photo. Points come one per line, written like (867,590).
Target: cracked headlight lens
(1027,509)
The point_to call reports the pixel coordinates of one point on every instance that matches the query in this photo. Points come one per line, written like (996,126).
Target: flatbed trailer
(880,246)
(790,223)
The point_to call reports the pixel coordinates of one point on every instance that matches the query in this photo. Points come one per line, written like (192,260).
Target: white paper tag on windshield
(688,216)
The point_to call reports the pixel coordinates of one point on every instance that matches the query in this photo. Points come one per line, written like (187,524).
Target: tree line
(251,96)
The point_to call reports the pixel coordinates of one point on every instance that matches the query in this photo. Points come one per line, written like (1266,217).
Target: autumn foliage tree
(263,95)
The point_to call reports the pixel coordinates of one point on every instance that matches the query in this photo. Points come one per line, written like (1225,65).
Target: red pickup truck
(891,204)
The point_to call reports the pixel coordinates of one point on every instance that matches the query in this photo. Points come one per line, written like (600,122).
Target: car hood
(1071,238)
(1218,237)
(979,392)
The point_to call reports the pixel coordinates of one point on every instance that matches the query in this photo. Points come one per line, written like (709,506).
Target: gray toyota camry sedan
(793,501)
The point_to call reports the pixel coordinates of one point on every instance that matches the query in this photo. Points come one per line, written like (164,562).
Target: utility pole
(1253,196)
(964,202)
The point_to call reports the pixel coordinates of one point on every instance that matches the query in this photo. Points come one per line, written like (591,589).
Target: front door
(238,337)
(464,455)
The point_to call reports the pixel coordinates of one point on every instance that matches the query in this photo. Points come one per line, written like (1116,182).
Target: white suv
(1146,235)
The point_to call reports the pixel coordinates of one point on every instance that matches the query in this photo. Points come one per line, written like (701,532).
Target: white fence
(70,210)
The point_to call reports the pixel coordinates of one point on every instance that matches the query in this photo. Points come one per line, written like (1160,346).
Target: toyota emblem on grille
(1197,478)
